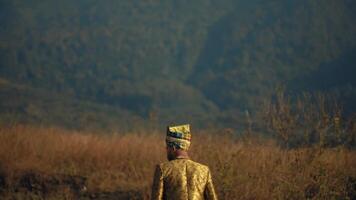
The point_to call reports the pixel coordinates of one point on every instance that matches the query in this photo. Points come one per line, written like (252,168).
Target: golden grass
(126,162)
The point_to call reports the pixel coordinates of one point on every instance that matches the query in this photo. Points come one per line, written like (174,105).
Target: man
(181,178)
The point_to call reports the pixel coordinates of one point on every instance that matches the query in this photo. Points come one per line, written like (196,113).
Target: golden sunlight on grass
(125,163)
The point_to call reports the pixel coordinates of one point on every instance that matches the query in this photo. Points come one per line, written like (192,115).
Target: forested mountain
(89,64)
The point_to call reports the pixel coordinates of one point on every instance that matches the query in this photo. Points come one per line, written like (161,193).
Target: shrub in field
(311,119)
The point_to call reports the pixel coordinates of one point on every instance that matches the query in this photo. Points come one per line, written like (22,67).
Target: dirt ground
(35,185)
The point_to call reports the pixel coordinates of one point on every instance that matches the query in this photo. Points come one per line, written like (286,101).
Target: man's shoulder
(186,162)
(199,165)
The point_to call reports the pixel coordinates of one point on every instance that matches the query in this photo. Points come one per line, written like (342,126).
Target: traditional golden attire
(182,178)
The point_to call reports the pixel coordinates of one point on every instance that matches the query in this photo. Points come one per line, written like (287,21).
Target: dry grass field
(50,163)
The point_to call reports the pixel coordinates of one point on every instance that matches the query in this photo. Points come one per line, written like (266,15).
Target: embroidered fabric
(182,179)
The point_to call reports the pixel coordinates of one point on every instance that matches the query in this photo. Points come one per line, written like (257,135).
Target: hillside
(121,64)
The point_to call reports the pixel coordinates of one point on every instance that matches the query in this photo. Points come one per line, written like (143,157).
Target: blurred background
(119,65)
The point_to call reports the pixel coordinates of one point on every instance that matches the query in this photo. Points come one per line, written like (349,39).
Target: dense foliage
(111,63)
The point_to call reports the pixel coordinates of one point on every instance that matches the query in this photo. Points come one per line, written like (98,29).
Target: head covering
(179,136)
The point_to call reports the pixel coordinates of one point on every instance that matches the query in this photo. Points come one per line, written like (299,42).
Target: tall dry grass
(241,170)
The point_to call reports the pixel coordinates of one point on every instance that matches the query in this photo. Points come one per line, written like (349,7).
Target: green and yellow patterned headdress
(179,136)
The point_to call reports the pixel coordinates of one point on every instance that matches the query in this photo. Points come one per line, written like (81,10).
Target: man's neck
(181,154)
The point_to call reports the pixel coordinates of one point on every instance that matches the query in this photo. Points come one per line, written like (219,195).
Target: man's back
(182,179)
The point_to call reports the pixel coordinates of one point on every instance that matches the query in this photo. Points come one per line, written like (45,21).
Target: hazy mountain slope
(167,61)
(251,51)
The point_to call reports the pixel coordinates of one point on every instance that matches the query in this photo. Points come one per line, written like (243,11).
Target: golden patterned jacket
(182,179)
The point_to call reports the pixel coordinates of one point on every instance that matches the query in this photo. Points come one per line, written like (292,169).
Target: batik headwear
(179,136)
